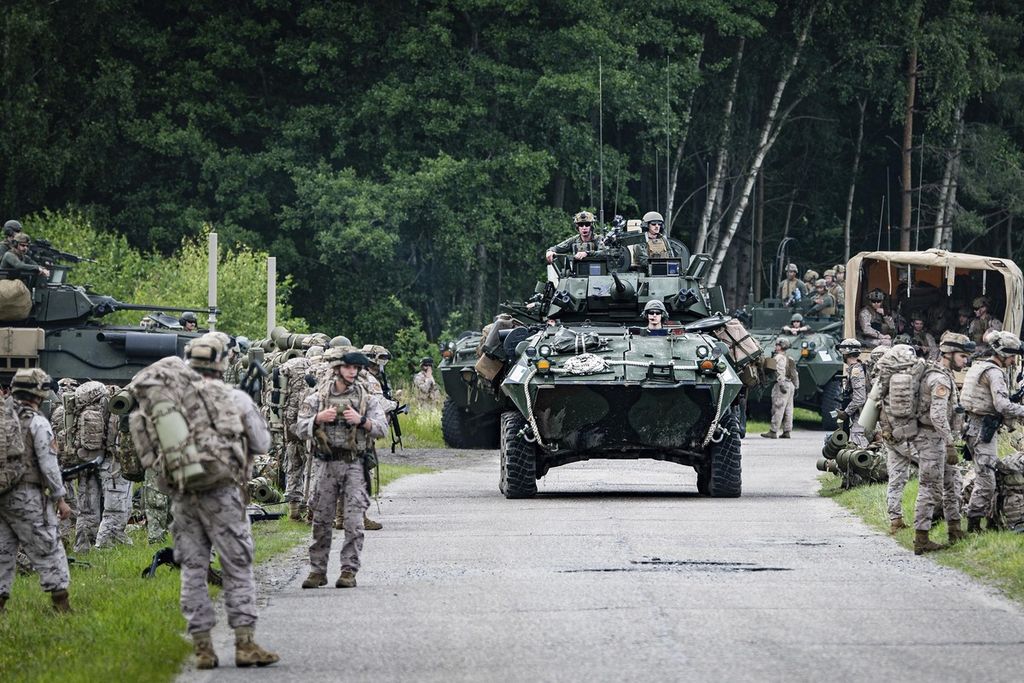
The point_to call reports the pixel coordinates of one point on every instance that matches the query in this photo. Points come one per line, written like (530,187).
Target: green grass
(421,427)
(124,627)
(802,419)
(994,557)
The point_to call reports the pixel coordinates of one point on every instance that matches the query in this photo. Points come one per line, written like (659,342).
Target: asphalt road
(620,572)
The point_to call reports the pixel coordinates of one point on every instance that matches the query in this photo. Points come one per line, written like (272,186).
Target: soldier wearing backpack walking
(938,425)
(31,490)
(344,418)
(986,399)
(200,435)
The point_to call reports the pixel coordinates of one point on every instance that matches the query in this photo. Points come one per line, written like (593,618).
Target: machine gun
(75,470)
(403,409)
(43,251)
(252,380)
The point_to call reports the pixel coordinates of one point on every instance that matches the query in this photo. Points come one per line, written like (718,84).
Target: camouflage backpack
(1010,478)
(187,428)
(293,389)
(12,447)
(126,454)
(89,417)
(899,374)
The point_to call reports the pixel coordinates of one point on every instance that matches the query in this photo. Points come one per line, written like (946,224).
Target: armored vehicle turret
(46,322)
(575,374)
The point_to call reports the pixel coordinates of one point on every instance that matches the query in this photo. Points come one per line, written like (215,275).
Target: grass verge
(994,557)
(123,627)
(802,419)
(421,426)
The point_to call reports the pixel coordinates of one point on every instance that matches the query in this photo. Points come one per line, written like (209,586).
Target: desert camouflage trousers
(782,406)
(117,505)
(28,519)
(898,459)
(203,521)
(90,504)
(938,485)
(296,454)
(157,507)
(857,437)
(338,479)
(983,496)
(1013,507)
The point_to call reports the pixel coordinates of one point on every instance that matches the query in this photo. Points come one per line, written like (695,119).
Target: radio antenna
(668,151)
(600,138)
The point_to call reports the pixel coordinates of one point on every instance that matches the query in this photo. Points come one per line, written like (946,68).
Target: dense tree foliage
(407,162)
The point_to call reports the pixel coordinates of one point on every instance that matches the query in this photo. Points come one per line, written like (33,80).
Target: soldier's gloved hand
(952,456)
(63,510)
(841,415)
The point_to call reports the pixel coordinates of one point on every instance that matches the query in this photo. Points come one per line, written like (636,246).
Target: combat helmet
(333,356)
(981,301)
(655,305)
(207,353)
(952,342)
(782,343)
(652,216)
(340,340)
(314,351)
(849,347)
(32,381)
(791,268)
(810,275)
(1005,344)
(583,217)
(188,317)
(12,227)
(876,294)
(820,282)
(243,344)
(796,318)
(427,361)
(376,353)
(828,272)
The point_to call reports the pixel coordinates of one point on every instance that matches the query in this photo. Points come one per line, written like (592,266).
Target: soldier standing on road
(875,327)
(856,388)
(426,387)
(986,399)
(375,380)
(899,454)
(345,418)
(791,289)
(938,423)
(580,244)
(30,469)
(782,393)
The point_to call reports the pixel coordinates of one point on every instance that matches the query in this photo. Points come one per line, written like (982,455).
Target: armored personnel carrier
(573,376)
(819,366)
(47,323)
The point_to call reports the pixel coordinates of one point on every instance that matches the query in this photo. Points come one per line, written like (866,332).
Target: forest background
(407,162)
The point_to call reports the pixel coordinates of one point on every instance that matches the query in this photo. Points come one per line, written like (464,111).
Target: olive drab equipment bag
(186,428)
(12,447)
(89,417)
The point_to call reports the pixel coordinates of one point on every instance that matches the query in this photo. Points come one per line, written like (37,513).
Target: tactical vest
(657,248)
(350,439)
(826,309)
(925,401)
(976,396)
(32,475)
(787,287)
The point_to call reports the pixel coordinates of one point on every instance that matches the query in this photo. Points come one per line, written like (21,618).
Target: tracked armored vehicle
(574,376)
(50,324)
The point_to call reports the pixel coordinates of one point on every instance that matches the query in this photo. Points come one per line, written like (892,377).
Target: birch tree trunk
(908,150)
(700,244)
(673,175)
(862,104)
(943,238)
(769,132)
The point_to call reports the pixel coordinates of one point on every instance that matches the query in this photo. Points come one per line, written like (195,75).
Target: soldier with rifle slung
(17,262)
(987,401)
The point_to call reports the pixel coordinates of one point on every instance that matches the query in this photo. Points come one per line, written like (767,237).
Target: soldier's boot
(248,653)
(769,435)
(346,580)
(371,525)
(202,646)
(315,580)
(59,598)
(294,512)
(955,532)
(786,435)
(993,524)
(3,604)
(974,525)
(896,525)
(339,515)
(923,544)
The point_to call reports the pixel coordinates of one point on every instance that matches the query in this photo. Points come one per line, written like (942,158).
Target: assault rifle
(166,556)
(990,424)
(403,409)
(252,380)
(75,470)
(44,252)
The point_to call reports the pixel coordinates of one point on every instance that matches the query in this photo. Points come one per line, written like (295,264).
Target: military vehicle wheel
(518,458)
(721,476)
(461,429)
(831,400)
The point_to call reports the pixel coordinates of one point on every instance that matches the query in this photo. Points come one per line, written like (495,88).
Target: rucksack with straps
(12,447)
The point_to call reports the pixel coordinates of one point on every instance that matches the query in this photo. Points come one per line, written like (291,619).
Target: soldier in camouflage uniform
(874,326)
(346,419)
(938,425)
(30,510)
(782,393)
(117,492)
(833,287)
(66,526)
(856,388)
(296,449)
(426,387)
(791,289)
(983,322)
(216,519)
(922,338)
(985,397)
(580,244)
(900,455)
(157,507)
(374,379)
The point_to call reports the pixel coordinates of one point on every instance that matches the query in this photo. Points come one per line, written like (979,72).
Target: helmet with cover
(340,340)
(583,217)
(1005,344)
(849,347)
(952,342)
(32,381)
(654,305)
(876,295)
(782,343)
(207,353)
